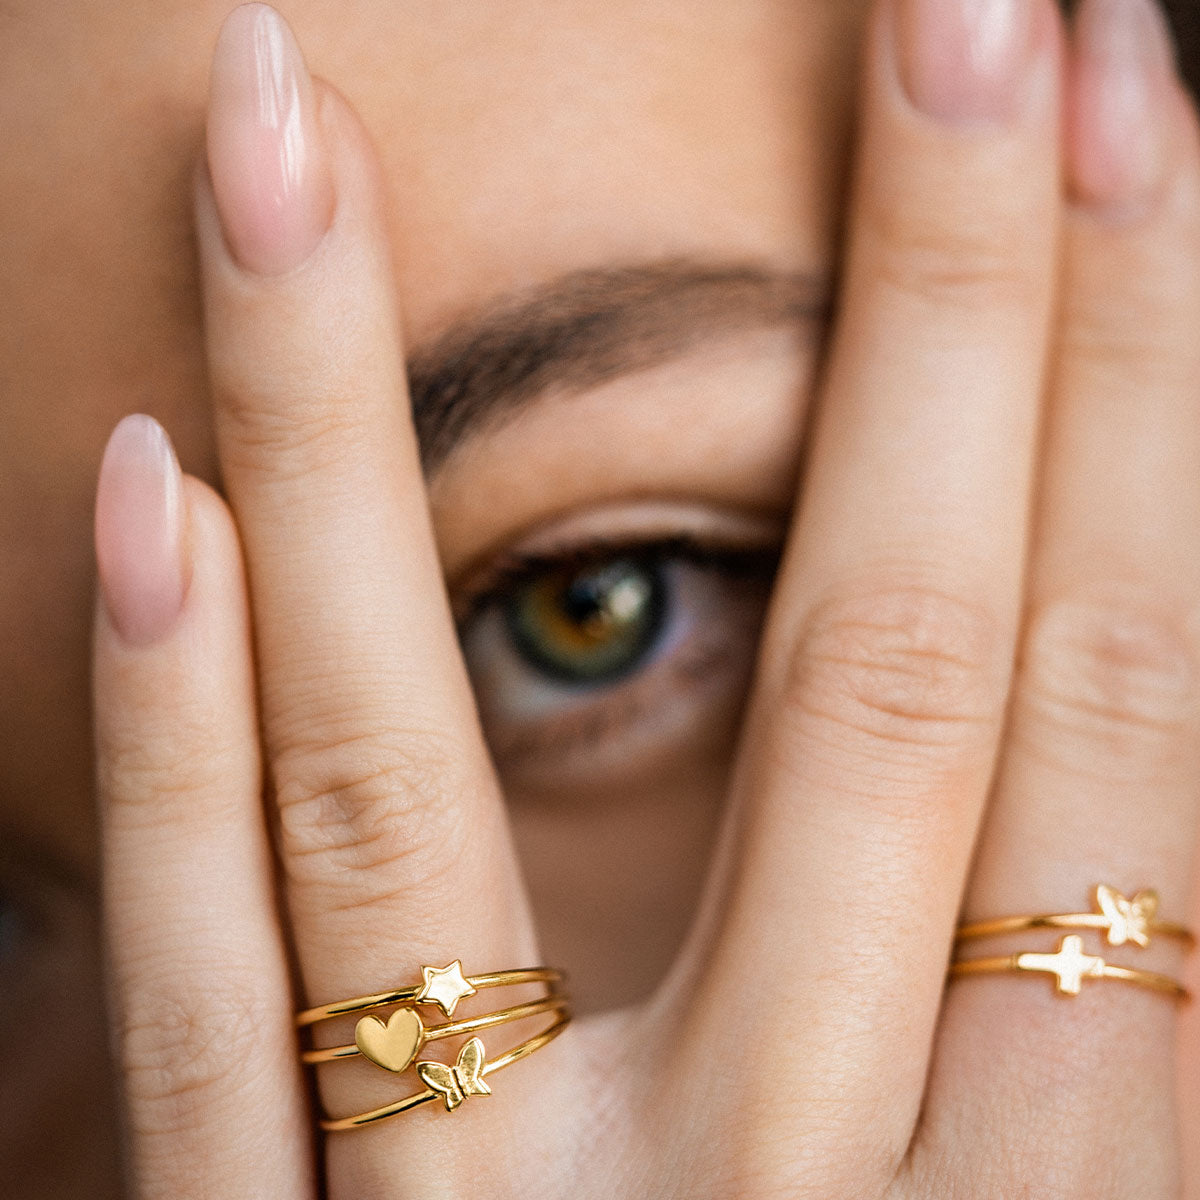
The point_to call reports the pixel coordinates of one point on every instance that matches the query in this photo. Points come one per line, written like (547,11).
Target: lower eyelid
(586,726)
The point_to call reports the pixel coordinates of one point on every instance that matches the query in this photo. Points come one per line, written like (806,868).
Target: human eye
(13,933)
(605,649)
(27,928)
(47,960)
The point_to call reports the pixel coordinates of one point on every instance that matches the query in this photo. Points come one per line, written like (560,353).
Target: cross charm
(1068,964)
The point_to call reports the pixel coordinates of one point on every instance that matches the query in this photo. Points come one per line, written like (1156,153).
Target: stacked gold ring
(1133,921)
(394,1044)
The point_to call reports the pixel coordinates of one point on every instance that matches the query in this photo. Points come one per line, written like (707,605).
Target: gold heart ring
(393,1044)
(400,1041)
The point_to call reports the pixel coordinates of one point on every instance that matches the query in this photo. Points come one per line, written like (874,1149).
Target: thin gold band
(1065,921)
(407,995)
(555,1002)
(981,929)
(1070,966)
(1124,920)
(397,1107)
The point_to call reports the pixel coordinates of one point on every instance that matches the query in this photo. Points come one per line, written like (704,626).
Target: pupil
(582,603)
(606,598)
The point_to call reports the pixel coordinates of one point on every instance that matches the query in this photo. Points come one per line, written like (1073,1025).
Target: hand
(804,1044)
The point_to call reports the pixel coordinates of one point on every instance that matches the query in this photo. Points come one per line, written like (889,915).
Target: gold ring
(378,1046)
(394,1044)
(1070,966)
(443,986)
(453,1083)
(1134,920)
(1123,921)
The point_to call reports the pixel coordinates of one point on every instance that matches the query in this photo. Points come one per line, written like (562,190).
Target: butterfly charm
(1128,920)
(455,1083)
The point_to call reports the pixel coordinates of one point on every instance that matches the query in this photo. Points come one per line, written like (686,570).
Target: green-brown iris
(590,623)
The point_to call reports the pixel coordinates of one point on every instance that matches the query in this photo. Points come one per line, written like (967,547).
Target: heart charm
(392,1046)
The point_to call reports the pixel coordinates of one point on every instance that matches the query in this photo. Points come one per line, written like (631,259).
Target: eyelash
(515,570)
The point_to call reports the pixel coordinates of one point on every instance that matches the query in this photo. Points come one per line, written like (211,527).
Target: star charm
(444,986)
(1069,965)
(1128,920)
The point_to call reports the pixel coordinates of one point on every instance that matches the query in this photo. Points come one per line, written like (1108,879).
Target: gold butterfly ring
(1132,920)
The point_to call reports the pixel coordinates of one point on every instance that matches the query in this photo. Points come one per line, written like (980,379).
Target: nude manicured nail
(140,539)
(1124,64)
(965,60)
(269,169)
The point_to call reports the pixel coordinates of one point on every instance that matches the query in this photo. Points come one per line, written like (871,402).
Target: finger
(394,837)
(1188,1083)
(887,657)
(393,834)
(1100,782)
(199,989)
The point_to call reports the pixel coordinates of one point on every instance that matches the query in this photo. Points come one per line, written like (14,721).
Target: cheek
(615,884)
(57,1131)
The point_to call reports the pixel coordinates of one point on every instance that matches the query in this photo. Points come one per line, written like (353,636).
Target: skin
(779,158)
(714,154)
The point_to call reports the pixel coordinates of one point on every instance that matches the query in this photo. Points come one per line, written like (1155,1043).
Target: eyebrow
(588,327)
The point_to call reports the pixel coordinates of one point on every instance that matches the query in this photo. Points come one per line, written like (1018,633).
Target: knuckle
(1119,676)
(352,811)
(913,668)
(969,261)
(182,1054)
(284,438)
(1138,344)
(142,775)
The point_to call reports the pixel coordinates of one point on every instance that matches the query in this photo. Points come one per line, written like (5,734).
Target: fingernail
(140,547)
(965,60)
(270,172)
(1124,65)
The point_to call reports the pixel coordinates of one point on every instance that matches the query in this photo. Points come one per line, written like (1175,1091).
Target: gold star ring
(394,1044)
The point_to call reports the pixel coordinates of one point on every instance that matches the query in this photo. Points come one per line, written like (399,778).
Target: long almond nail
(270,172)
(1117,138)
(965,60)
(140,538)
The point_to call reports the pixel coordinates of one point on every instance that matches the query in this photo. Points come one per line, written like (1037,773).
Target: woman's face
(613,230)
